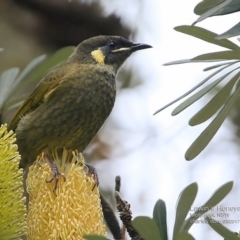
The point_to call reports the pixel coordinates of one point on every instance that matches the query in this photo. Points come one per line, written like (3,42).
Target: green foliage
(197,96)
(160,217)
(209,8)
(206,136)
(147,228)
(234,31)
(217,197)
(216,9)
(214,104)
(6,81)
(206,35)
(185,201)
(221,230)
(156,228)
(206,5)
(13,84)
(228,70)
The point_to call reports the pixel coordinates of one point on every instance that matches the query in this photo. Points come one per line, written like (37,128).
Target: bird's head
(109,50)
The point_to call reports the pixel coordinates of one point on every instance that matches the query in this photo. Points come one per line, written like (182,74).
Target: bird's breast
(71,115)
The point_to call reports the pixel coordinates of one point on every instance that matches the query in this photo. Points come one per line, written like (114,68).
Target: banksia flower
(70,212)
(12,202)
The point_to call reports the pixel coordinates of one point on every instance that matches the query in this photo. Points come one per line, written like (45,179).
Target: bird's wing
(49,83)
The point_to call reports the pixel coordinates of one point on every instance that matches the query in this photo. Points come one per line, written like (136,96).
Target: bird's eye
(112,44)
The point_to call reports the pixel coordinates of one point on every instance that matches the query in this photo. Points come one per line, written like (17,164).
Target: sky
(149,150)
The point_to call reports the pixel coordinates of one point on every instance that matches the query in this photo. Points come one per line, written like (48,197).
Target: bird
(71,103)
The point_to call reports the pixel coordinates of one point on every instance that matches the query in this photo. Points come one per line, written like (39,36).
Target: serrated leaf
(160,217)
(212,11)
(207,36)
(221,56)
(222,230)
(185,201)
(191,90)
(95,237)
(232,32)
(204,6)
(220,65)
(147,228)
(197,95)
(6,81)
(206,136)
(184,236)
(214,104)
(216,198)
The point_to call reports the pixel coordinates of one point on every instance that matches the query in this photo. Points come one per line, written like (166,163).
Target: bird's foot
(55,173)
(93,173)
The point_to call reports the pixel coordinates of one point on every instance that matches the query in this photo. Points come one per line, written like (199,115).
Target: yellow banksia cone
(12,202)
(69,212)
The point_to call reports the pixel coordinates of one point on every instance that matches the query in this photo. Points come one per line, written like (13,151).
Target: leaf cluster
(155,228)
(212,8)
(227,72)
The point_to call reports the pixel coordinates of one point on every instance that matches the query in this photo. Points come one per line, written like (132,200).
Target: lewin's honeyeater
(71,103)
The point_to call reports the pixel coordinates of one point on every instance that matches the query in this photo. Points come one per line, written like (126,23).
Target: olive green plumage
(71,103)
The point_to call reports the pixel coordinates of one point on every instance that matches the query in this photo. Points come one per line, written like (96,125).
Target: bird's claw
(55,173)
(93,173)
(55,176)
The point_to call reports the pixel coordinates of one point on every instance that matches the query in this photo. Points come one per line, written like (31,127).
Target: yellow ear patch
(98,56)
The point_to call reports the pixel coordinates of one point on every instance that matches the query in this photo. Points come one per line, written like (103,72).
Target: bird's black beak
(139,46)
